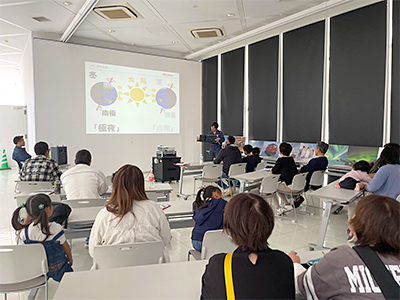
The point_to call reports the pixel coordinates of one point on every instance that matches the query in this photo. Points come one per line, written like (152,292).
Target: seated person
(82,181)
(250,159)
(19,154)
(376,165)
(359,173)
(318,163)
(40,168)
(285,166)
(208,213)
(229,155)
(258,271)
(342,274)
(129,216)
(387,179)
(256,153)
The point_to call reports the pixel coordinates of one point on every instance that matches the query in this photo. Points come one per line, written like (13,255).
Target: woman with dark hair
(342,274)
(208,213)
(129,216)
(386,181)
(253,270)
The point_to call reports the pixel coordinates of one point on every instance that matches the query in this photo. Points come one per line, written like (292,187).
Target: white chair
(214,241)
(236,169)
(80,203)
(108,180)
(152,196)
(23,267)
(317,179)
(398,198)
(269,186)
(297,189)
(211,173)
(32,186)
(261,165)
(127,255)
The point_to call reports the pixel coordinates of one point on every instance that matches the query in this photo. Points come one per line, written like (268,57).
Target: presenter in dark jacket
(229,155)
(257,271)
(216,146)
(208,213)
(319,163)
(19,154)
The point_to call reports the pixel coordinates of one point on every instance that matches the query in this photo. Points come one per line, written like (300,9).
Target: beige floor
(286,235)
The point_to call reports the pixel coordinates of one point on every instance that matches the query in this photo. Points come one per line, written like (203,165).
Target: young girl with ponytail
(36,228)
(208,213)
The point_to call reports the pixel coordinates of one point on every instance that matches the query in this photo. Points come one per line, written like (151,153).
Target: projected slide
(130,100)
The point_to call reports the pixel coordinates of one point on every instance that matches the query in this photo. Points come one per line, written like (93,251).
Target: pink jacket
(357,175)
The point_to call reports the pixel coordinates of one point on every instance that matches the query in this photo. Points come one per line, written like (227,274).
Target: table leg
(324,226)
(241,187)
(180,194)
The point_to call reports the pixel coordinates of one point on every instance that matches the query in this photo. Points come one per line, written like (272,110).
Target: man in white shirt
(82,181)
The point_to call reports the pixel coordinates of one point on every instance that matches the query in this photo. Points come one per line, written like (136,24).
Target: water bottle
(57,186)
(201,159)
(151,180)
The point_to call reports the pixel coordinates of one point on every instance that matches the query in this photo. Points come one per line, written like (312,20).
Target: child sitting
(256,153)
(250,159)
(285,166)
(359,173)
(208,214)
(37,229)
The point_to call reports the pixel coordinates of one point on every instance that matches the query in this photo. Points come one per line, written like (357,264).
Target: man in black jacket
(229,155)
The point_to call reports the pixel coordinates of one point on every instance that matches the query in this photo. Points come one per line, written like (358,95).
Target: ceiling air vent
(115,12)
(41,19)
(207,32)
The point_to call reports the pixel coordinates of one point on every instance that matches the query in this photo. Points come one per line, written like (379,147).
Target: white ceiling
(164,27)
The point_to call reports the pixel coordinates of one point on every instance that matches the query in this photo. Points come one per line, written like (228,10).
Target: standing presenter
(216,146)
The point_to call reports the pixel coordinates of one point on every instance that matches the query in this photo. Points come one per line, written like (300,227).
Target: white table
(189,169)
(331,196)
(251,177)
(163,281)
(179,215)
(159,188)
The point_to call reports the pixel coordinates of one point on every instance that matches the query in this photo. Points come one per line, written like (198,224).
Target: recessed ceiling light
(230,15)
(133,44)
(6,41)
(195,6)
(175,42)
(66,3)
(111,30)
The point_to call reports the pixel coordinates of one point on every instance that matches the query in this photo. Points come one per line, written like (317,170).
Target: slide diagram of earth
(166,98)
(103,93)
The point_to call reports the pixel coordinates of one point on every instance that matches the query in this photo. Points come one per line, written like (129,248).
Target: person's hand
(70,261)
(337,185)
(271,171)
(295,258)
(217,140)
(359,186)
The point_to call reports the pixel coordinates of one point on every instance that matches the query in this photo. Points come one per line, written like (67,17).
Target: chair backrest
(33,186)
(152,196)
(317,178)
(261,165)
(216,241)
(299,182)
(127,255)
(236,169)
(212,171)
(80,203)
(398,198)
(22,263)
(269,184)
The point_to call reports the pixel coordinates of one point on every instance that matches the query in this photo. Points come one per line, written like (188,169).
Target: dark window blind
(395,122)
(232,89)
(209,90)
(303,68)
(357,76)
(263,89)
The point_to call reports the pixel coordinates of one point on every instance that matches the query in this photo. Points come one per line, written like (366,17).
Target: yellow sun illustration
(137,94)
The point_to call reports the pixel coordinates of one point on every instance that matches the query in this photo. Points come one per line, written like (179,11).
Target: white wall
(60,105)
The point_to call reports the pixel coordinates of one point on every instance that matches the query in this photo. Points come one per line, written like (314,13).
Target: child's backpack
(56,259)
(60,214)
